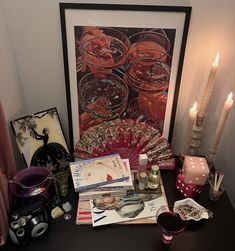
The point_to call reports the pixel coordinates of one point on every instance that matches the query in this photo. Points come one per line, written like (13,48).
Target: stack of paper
(137,209)
(123,188)
(107,194)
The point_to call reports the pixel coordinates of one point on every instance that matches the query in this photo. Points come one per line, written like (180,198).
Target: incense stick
(218,178)
(221,176)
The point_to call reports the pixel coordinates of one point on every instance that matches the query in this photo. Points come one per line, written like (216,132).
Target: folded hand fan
(129,138)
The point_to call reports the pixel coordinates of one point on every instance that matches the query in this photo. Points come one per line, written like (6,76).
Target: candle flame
(217,58)
(194,108)
(230,96)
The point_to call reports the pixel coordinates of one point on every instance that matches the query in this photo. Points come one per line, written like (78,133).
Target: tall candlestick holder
(211,157)
(191,122)
(196,139)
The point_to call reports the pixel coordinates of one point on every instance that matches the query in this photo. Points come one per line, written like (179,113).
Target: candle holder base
(193,151)
(195,143)
(182,156)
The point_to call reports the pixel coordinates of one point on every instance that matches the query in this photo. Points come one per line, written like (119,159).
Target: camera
(28,222)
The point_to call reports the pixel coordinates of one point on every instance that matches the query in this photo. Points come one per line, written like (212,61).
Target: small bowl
(31,182)
(188,209)
(103,95)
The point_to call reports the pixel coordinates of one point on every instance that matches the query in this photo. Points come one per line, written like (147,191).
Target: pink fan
(129,138)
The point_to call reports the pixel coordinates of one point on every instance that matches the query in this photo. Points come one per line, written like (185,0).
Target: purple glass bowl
(31,182)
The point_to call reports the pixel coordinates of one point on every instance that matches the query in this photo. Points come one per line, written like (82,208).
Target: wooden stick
(221,176)
(215,180)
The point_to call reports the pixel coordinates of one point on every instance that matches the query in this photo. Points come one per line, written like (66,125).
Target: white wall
(211,29)
(11,92)
(34,75)
(10,89)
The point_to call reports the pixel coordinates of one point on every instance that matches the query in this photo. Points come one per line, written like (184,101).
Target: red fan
(129,138)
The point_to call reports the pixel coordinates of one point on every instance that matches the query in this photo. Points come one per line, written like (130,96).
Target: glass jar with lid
(154,177)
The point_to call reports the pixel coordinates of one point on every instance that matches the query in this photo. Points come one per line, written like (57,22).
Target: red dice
(187,190)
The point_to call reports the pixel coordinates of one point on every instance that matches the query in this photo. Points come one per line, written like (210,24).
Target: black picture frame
(168,14)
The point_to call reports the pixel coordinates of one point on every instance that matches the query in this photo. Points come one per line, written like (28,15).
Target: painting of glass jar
(123,73)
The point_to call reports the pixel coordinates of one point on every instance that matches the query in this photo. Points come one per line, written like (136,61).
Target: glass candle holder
(31,184)
(62,182)
(214,194)
(170,224)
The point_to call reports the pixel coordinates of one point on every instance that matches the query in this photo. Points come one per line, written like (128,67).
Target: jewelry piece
(67,216)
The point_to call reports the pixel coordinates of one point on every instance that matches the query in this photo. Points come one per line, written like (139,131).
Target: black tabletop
(205,235)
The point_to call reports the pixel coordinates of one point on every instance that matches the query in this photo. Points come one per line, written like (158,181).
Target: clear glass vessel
(154,178)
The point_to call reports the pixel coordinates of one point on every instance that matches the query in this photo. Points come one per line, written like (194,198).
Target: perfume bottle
(154,178)
(143,160)
(142,181)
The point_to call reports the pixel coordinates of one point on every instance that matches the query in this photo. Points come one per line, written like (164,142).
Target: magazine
(93,194)
(84,216)
(84,211)
(126,184)
(92,173)
(110,210)
(124,188)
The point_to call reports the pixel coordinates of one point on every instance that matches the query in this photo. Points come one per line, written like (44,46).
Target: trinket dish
(188,209)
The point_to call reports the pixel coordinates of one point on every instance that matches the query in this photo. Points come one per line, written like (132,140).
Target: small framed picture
(41,141)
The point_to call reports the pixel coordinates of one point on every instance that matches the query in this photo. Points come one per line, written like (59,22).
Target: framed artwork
(41,141)
(122,61)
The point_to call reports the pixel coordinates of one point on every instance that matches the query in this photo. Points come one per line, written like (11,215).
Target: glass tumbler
(170,223)
(62,182)
(214,194)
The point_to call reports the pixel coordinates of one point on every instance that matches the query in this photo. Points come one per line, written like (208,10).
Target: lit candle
(209,87)
(224,115)
(193,113)
(192,119)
